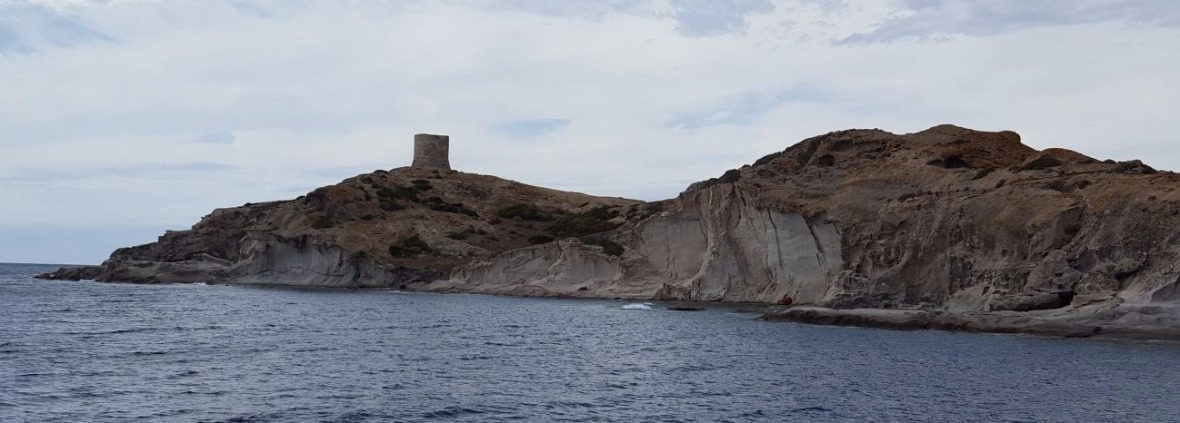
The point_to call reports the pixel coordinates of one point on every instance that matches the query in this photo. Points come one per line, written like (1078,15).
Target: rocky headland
(947,228)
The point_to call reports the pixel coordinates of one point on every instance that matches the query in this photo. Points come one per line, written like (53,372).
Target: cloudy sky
(122,118)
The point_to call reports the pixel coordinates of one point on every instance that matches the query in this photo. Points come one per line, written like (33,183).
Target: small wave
(451,412)
(811,409)
(637,306)
(252,418)
(143,353)
(356,416)
(476,357)
(184,374)
(115,332)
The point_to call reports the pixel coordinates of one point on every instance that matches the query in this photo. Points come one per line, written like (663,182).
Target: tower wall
(432,151)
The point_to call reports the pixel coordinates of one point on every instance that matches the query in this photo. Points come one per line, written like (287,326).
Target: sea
(108,352)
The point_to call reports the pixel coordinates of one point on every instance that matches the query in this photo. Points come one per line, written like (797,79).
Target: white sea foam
(637,306)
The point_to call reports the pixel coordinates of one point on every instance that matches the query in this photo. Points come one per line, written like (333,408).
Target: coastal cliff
(387,229)
(946,220)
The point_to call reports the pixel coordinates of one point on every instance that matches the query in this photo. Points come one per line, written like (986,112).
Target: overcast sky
(122,118)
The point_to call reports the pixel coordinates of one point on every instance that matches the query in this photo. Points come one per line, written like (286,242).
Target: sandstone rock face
(716,248)
(567,268)
(945,220)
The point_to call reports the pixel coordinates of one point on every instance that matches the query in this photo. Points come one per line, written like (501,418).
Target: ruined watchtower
(432,151)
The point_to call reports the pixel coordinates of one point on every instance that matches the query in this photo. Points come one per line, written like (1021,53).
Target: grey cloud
(253,9)
(531,128)
(827,6)
(585,9)
(745,108)
(694,18)
(703,18)
(154,170)
(940,19)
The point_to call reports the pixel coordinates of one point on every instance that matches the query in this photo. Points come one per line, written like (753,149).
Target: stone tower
(432,151)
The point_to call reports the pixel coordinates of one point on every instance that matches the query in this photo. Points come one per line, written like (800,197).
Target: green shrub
(650,209)
(421,185)
(323,222)
(399,192)
(1055,185)
(453,208)
(1043,161)
(730,176)
(540,239)
(524,212)
(390,205)
(415,242)
(409,247)
(767,159)
(592,221)
(609,247)
(457,235)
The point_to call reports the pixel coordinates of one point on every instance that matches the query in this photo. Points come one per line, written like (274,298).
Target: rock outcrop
(946,220)
(389,229)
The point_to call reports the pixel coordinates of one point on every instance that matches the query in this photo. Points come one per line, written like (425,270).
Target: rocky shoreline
(975,323)
(995,323)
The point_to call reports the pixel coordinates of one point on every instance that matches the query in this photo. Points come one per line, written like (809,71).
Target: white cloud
(181,106)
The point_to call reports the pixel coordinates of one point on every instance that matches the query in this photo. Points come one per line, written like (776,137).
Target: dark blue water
(90,352)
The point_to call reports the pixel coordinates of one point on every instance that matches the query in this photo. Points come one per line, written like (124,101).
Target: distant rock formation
(947,220)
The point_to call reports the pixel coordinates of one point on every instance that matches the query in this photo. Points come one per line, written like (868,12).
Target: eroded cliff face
(946,219)
(715,247)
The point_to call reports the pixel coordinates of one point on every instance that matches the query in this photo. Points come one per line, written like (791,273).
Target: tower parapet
(432,151)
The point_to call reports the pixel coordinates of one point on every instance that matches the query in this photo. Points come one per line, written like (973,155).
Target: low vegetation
(322,222)
(592,221)
(609,247)
(524,212)
(409,247)
(457,235)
